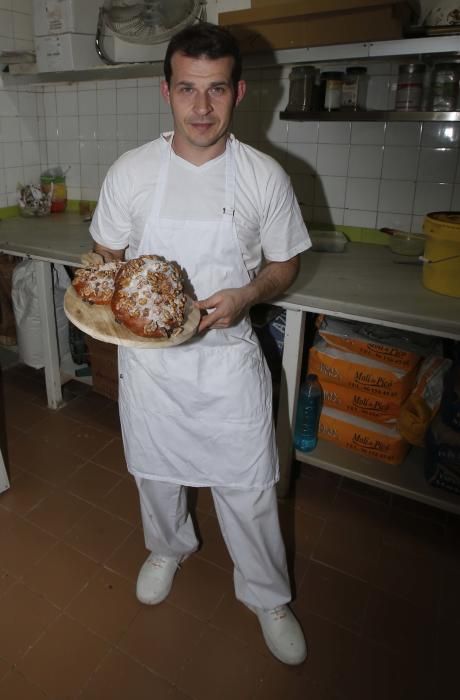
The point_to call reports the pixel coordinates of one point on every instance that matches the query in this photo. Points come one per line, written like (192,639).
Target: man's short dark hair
(204,39)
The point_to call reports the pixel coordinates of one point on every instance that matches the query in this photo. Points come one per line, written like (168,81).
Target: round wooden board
(98,322)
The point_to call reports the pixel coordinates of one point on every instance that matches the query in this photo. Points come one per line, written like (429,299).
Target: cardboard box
(315,23)
(369,439)
(376,409)
(360,373)
(103,359)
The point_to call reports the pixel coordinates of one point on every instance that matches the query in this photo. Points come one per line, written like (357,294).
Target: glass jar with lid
(301,81)
(332,82)
(409,91)
(444,87)
(354,88)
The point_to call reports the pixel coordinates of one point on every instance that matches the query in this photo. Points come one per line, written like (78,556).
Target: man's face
(202,98)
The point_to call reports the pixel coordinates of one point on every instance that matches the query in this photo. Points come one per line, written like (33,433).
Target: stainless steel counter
(60,238)
(366,283)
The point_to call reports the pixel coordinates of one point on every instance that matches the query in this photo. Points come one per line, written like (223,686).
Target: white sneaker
(155,579)
(282,633)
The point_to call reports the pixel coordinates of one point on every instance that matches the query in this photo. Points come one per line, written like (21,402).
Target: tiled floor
(377,580)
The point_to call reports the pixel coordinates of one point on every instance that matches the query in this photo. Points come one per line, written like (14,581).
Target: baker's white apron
(200,413)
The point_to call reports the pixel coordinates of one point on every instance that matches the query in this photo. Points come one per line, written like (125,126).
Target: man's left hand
(225,308)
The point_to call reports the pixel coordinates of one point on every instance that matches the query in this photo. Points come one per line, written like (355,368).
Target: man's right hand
(91,259)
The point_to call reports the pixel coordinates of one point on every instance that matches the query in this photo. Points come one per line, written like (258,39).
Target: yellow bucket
(441,269)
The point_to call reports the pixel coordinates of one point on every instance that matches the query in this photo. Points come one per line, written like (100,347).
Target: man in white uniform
(200,414)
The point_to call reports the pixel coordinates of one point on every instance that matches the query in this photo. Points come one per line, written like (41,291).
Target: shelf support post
(290,375)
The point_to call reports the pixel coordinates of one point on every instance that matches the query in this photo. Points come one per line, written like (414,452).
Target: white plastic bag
(27,315)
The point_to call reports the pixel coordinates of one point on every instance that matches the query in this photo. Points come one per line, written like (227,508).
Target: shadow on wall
(256,126)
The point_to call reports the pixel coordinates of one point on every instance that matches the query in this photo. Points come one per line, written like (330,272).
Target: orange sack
(369,439)
(360,373)
(377,409)
(391,346)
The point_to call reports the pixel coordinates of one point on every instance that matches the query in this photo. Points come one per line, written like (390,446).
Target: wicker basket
(103,358)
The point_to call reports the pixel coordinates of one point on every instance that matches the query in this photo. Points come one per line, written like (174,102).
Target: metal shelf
(406,479)
(419,46)
(371,116)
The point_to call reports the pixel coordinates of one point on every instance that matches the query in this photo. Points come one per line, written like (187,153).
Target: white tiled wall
(369,174)
(16,25)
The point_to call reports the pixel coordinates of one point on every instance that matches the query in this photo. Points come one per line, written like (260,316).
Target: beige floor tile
(7,580)
(97,411)
(290,682)
(233,618)
(163,638)
(106,606)
(384,675)
(15,687)
(129,557)
(123,501)
(44,460)
(54,429)
(301,530)
(351,549)
(120,677)
(112,456)
(399,625)
(98,534)
(27,493)
(415,576)
(335,596)
(58,512)
(314,494)
(22,546)
(61,574)
(222,667)
(199,587)
(63,659)
(332,662)
(24,615)
(22,413)
(91,482)
(7,517)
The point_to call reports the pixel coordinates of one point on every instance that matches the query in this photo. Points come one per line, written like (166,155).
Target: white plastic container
(61,52)
(63,16)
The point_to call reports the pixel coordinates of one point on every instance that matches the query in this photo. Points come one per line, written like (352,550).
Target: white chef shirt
(268,220)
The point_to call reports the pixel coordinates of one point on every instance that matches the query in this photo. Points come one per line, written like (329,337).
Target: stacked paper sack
(371,376)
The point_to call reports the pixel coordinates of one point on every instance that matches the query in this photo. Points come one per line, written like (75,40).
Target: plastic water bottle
(308,413)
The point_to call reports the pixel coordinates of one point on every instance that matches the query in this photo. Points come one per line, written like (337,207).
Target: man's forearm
(227,306)
(108,254)
(273,279)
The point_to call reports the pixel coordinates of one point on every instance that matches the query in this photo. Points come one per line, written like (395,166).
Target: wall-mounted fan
(144,22)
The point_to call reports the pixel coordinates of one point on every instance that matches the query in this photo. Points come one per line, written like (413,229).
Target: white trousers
(250,527)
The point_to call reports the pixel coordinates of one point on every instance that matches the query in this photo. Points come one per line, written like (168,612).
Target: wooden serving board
(98,321)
